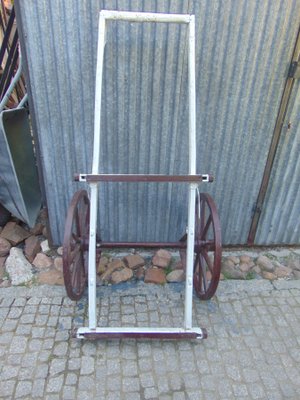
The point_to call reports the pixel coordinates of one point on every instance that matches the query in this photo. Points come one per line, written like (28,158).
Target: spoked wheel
(75,245)
(208,248)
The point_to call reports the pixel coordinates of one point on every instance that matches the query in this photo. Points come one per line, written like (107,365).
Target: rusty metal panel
(242,57)
(280,222)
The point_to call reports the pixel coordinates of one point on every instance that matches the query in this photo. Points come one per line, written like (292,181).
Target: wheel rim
(75,245)
(208,248)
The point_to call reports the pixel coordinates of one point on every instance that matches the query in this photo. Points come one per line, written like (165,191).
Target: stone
(227,267)
(102,265)
(5,246)
(42,261)
(121,276)
(178,265)
(2,271)
(268,275)
(58,264)
(245,267)
(155,275)
(134,261)
(45,246)
(294,263)
(228,263)
(256,269)
(236,274)
(244,259)
(222,277)
(233,259)
(18,268)
(113,266)
(283,272)
(2,261)
(59,251)
(50,277)
(37,229)
(14,233)
(265,263)
(45,232)
(32,247)
(296,274)
(162,258)
(5,284)
(177,275)
(140,273)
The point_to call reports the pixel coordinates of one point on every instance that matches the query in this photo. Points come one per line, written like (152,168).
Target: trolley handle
(142,178)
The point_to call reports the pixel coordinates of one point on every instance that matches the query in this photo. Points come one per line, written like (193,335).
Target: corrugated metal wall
(281,224)
(243,51)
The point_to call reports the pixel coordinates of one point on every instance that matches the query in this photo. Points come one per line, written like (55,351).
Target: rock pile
(26,259)
(160,270)
(271,265)
(25,256)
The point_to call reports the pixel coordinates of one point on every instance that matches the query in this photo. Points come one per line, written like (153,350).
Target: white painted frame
(156,18)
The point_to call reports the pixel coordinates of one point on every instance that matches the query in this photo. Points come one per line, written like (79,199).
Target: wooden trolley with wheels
(200,247)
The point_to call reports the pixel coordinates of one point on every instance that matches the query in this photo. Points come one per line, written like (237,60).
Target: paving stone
(24,388)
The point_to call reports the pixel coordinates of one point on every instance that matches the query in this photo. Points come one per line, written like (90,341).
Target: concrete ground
(252,350)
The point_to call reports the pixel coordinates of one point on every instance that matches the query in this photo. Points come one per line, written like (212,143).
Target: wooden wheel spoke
(202,215)
(203,274)
(75,237)
(207,260)
(206,228)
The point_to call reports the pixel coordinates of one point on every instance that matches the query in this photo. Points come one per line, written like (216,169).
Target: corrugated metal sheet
(243,51)
(280,219)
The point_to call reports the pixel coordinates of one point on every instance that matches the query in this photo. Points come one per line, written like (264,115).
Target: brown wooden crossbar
(142,178)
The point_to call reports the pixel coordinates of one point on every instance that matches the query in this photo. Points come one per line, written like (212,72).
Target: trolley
(200,247)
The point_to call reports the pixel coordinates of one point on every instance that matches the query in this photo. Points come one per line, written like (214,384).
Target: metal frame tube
(145,17)
(193,186)
(94,186)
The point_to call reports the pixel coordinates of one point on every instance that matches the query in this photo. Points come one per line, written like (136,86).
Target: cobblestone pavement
(252,351)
